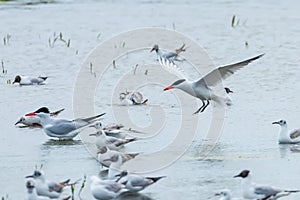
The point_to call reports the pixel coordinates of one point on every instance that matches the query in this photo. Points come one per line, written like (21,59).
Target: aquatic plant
(6,39)
(58,38)
(135,68)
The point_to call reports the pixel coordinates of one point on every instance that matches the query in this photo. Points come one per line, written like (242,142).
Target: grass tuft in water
(82,186)
(6,39)
(4,71)
(114,64)
(146,72)
(135,68)
(58,38)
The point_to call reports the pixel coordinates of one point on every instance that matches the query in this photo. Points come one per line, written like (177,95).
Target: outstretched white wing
(221,73)
(171,67)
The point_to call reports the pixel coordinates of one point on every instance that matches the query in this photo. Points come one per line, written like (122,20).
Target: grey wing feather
(62,126)
(170,55)
(113,187)
(54,187)
(295,134)
(217,75)
(265,190)
(139,182)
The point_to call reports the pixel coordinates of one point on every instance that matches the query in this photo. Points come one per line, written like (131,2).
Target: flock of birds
(111,138)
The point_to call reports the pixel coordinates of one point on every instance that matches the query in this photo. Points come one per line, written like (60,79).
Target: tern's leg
(203,105)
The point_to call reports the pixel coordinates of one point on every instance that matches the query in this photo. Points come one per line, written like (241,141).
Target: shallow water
(265,91)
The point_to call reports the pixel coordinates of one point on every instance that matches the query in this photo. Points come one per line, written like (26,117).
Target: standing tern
(136,183)
(105,189)
(63,128)
(285,136)
(26,80)
(104,154)
(171,56)
(201,88)
(111,142)
(30,119)
(253,191)
(48,188)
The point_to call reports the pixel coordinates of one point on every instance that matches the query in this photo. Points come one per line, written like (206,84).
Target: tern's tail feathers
(292,191)
(93,118)
(154,179)
(56,112)
(43,77)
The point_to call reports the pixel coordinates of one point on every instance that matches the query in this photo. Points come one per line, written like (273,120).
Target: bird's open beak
(29,176)
(168,88)
(152,49)
(275,123)
(30,114)
(19,121)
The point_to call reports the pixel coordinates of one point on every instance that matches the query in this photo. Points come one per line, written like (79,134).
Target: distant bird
(26,80)
(136,183)
(115,167)
(201,88)
(104,154)
(285,136)
(48,188)
(114,130)
(171,56)
(253,191)
(224,194)
(228,99)
(32,194)
(132,98)
(64,128)
(30,119)
(105,189)
(111,142)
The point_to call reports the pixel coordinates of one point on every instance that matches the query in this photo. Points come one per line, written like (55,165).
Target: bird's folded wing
(171,67)
(221,73)
(61,127)
(54,187)
(295,134)
(266,190)
(114,187)
(139,182)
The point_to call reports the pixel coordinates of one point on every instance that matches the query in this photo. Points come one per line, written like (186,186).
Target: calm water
(264,92)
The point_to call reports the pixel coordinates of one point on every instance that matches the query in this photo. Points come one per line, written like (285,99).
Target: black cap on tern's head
(243,174)
(155,48)
(280,122)
(42,109)
(17,79)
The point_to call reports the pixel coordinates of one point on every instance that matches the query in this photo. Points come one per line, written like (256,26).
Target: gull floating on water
(285,136)
(136,183)
(171,56)
(202,88)
(64,128)
(32,194)
(48,188)
(225,194)
(111,142)
(253,191)
(105,189)
(26,80)
(30,119)
(132,98)
(104,154)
